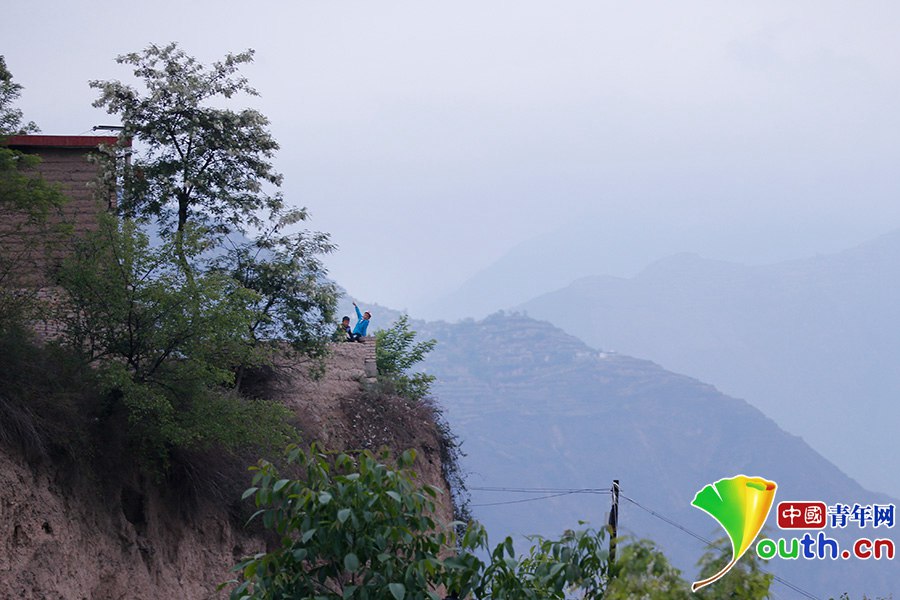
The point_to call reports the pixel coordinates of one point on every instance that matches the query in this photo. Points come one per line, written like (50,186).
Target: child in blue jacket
(362,324)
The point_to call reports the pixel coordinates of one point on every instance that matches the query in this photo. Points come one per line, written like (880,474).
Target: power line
(668,520)
(557,495)
(541,490)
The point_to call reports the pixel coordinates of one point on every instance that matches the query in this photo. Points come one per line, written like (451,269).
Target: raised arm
(358,314)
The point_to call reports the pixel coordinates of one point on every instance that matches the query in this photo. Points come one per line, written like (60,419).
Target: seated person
(361,325)
(344,331)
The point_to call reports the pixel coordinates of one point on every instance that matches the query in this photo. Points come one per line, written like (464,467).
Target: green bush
(345,516)
(396,351)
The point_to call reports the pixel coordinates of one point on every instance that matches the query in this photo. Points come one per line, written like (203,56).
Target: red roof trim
(59,141)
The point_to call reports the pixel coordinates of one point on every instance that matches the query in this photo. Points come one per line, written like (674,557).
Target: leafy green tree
(354,527)
(208,169)
(11,118)
(165,345)
(26,201)
(396,352)
(295,301)
(642,571)
(132,305)
(25,193)
(574,565)
(21,191)
(198,162)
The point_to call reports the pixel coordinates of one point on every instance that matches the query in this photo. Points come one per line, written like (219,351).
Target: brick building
(65,161)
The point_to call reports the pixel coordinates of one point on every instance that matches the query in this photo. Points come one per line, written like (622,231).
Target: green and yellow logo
(741,505)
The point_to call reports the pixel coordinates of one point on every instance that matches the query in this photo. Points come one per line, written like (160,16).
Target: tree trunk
(183,201)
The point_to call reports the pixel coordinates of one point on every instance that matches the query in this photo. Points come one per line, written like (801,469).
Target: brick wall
(29,250)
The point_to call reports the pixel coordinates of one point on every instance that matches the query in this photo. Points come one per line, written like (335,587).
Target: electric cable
(557,495)
(538,490)
(666,519)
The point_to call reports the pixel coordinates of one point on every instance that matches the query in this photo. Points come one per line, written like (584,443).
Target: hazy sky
(429,138)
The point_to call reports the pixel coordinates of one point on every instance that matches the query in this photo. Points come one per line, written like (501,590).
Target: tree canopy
(11,118)
(204,171)
(199,162)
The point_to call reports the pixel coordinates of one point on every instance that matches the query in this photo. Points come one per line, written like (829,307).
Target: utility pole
(614,522)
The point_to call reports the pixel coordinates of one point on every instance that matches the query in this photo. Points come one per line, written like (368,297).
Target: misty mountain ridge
(813,343)
(623,246)
(535,407)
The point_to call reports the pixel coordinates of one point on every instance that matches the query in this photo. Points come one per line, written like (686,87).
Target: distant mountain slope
(535,407)
(814,344)
(623,244)
(553,260)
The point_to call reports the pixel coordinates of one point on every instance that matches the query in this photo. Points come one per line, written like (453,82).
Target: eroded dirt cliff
(73,538)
